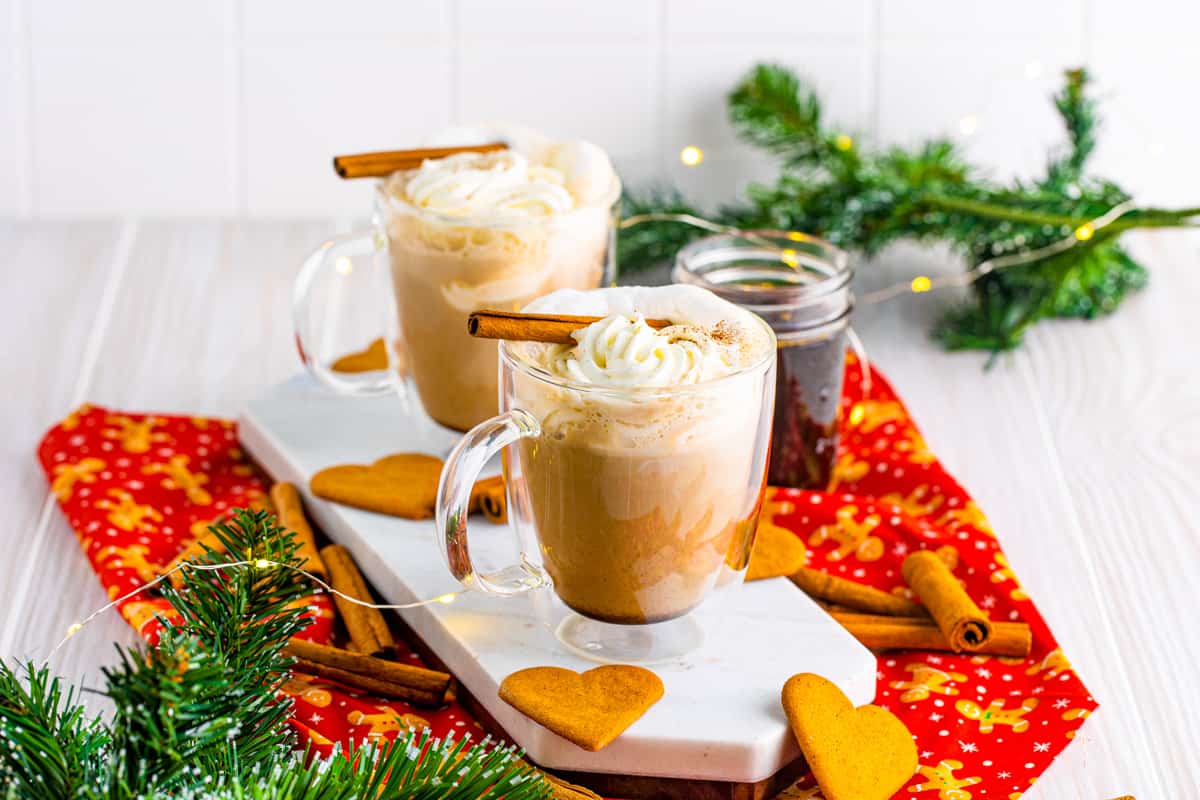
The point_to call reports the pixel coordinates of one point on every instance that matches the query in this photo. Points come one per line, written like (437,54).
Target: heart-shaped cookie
(777,553)
(374,357)
(862,753)
(590,708)
(403,485)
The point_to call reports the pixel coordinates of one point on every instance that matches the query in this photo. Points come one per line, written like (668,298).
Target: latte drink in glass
(489,231)
(637,464)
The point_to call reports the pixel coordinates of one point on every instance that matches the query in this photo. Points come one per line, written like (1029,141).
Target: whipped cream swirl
(627,352)
(479,184)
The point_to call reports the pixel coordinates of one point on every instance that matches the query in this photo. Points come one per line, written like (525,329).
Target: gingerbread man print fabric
(137,488)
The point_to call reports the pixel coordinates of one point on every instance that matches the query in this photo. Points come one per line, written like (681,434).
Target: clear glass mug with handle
(438,269)
(632,504)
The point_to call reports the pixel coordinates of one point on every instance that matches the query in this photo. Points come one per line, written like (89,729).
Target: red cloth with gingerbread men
(137,488)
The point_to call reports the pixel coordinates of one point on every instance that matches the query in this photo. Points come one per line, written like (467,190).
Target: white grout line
(235,77)
(874,77)
(660,163)
(87,366)
(454,62)
(1075,527)
(1086,16)
(21,64)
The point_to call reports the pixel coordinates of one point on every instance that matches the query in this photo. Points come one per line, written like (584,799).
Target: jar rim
(794,248)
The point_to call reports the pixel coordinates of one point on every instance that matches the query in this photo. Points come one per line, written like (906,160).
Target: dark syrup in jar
(808,390)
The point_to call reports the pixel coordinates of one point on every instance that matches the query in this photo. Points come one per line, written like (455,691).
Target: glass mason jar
(800,285)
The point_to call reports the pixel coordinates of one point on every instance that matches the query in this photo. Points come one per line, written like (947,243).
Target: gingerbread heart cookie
(373,358)
(862,753)
(590,708)
(777,553)
(403,485)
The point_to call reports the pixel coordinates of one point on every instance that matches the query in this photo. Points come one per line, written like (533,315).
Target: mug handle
(335,254)
(461,471)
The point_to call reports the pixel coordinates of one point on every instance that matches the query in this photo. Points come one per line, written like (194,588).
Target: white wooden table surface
(1083,448)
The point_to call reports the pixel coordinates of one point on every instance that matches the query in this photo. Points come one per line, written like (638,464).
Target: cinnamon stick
(383,163)
(415,685)
(290,512)
(488,496)
(196,548)
(550,328)
(876,632)
(850,594)
(963,623)
(366,626)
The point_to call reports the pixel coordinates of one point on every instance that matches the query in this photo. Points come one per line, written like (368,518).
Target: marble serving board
(720,718)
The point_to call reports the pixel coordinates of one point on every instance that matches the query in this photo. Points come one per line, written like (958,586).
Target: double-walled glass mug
(632,504)
(801,286)
(440,268)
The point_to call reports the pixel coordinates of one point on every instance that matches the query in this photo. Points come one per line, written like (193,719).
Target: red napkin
(136,488)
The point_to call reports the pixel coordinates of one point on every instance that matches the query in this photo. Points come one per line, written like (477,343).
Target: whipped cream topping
(620,351)
(534,177)
(470,184)
(709,337)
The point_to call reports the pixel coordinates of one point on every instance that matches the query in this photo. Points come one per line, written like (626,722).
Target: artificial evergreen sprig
(199,714)
(863,200)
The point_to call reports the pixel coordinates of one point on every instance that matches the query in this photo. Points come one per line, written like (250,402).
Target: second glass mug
(631,504)
(438,269)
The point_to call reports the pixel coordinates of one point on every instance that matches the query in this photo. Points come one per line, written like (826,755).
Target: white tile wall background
(234,107)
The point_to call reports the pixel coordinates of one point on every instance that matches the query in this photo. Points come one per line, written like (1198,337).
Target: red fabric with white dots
(136,488)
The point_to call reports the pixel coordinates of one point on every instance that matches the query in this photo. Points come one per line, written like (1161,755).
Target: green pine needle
(865,201)
(199,715)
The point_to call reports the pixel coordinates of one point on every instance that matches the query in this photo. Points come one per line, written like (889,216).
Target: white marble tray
(720,718)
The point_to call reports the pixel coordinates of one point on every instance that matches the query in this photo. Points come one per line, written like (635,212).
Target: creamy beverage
(645,477)
(490,231)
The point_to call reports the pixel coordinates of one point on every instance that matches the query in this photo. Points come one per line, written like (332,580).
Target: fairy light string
(257,563)
(920,284)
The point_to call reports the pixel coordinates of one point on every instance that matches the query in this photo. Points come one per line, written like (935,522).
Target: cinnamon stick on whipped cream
(384,163)
(549,328)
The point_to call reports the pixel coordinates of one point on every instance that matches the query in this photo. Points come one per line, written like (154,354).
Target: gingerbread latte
(490,231)
(645,477)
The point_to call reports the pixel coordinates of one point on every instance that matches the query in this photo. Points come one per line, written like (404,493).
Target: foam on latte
(711,339)
(535,177)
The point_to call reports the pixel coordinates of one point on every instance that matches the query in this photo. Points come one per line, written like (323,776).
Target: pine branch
(47,744)
(206,695)
(198,715)
(650,243)
(414,767)
(865,201)
(1079,115)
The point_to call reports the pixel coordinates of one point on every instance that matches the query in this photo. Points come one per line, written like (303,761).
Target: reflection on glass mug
(635,463)
(467,232)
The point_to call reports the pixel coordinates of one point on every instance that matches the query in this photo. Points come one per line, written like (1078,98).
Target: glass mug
(438,269)
(800,285)
(632,504)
